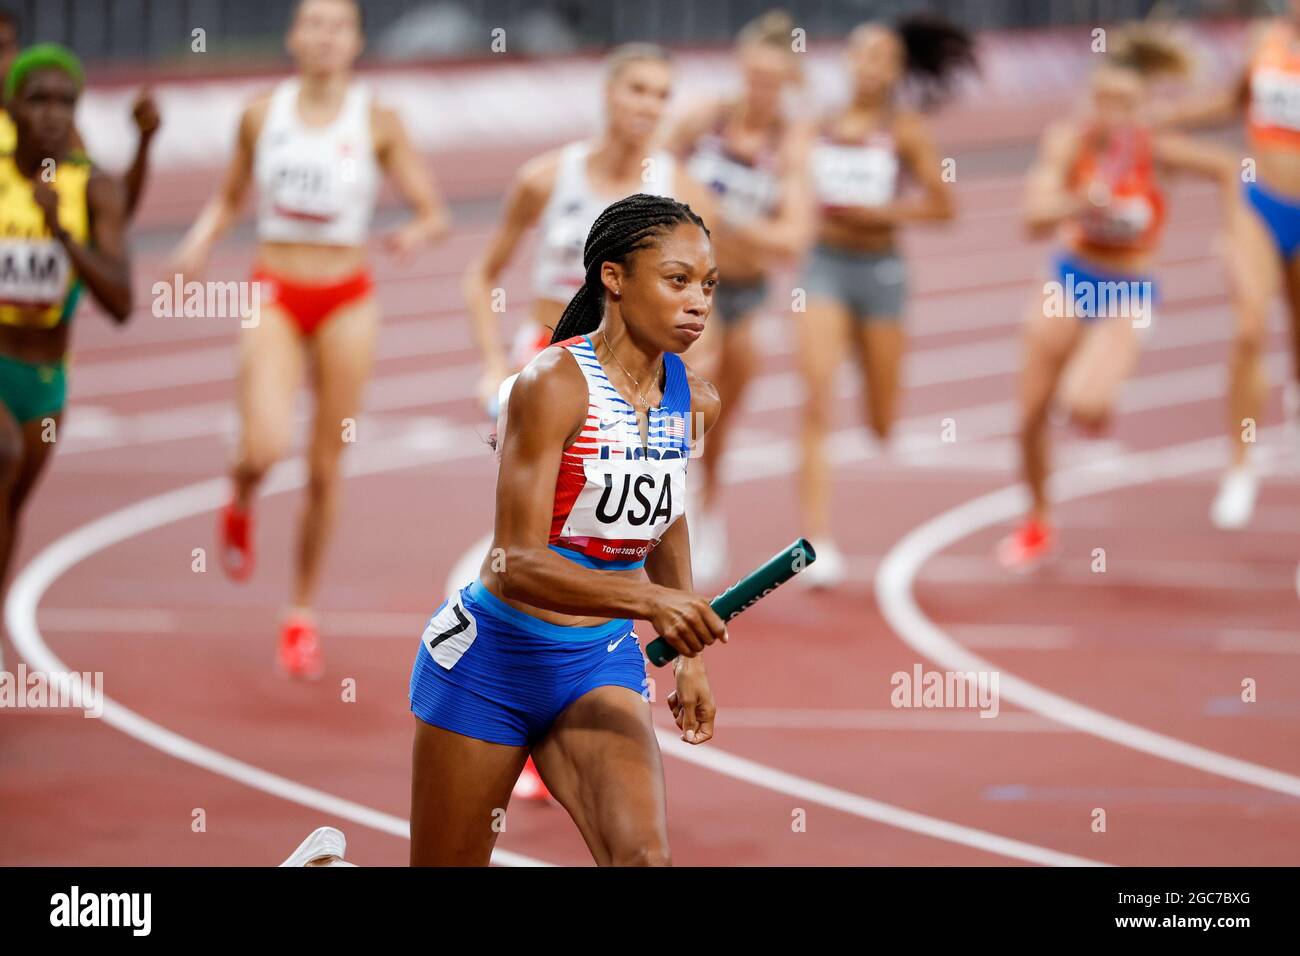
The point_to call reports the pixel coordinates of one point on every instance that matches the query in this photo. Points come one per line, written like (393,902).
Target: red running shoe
(299,654)
(1027,546)
(529,786)
(236,542)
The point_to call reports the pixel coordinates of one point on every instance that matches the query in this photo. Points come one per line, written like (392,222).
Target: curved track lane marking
(899,568)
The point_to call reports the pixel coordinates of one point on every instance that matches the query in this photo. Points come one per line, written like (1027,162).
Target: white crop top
(316,184)
(855,174)
(570,213)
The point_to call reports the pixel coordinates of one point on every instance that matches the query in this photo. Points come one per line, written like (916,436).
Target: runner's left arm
(669,564)
(1180,153)
(102,263)
(147,121)
(403,164)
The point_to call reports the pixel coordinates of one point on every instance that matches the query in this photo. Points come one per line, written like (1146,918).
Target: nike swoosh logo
(606,425)
(613,644)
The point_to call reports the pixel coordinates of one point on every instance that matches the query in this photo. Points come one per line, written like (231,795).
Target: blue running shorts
(487,670)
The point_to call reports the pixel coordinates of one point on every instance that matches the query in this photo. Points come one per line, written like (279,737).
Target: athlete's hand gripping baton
(776,571)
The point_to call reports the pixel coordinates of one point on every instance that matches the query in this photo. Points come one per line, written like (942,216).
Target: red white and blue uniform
(614,496)
(493,672)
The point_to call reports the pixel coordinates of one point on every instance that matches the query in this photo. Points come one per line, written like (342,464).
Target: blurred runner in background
(316,146)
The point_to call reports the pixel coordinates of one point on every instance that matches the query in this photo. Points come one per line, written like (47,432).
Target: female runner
(1264,237)
(562,192)
(60,236)
(315,147)
(753,159)
(538,654)
(1097,182)
(854,278)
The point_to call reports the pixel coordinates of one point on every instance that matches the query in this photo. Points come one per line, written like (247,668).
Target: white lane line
(466,567)
(141,622)
(817,718)
(898,604)
(153,513)
(979,570)
(1025,637)
(219,363)
(810,791)
(982,571)
(109,620)
(1257,642)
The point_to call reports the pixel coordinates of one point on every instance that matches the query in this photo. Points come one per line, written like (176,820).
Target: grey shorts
(872,284)
(735,300)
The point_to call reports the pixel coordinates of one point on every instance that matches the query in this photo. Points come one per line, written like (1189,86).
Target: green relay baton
(776,571)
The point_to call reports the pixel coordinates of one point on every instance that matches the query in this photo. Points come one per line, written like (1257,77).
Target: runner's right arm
(223,209)
(528,196)
(1048,200)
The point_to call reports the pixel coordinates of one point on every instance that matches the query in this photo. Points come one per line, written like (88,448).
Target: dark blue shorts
(489,671)
(1098,295)
(1280,214)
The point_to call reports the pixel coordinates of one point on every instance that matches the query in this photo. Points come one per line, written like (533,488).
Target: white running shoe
(709,548)
(1235,502)
(827,571)
(322,842)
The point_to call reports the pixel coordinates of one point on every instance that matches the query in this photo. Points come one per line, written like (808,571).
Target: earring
(617,295)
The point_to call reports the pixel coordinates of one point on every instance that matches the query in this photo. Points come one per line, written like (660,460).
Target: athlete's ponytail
(624,227)
(934,51)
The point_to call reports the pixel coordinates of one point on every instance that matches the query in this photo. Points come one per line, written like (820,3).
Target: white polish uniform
(316,184)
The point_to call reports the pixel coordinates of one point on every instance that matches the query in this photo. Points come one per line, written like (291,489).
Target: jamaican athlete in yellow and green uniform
(38,286)
(62,227)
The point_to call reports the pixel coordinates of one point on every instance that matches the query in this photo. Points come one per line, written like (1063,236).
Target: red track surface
(1162,640)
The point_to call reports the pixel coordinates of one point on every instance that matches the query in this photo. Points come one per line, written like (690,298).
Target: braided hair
(623,228)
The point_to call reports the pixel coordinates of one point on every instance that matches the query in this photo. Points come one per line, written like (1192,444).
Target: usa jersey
(614,496)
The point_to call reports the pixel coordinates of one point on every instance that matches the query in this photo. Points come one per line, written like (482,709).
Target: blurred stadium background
(123,31)
(434,62)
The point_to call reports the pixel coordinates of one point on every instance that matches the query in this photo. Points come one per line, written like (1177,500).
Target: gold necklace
(639,394)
